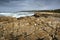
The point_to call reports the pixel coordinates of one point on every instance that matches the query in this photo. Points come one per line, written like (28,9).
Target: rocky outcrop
(44,14)
(31,28)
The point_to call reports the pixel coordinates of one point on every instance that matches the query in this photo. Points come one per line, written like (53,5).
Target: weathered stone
(30,28)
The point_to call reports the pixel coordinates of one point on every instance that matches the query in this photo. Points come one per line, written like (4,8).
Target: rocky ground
(41,26)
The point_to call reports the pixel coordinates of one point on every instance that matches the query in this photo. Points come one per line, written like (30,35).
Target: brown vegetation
(36,27)
(7,18)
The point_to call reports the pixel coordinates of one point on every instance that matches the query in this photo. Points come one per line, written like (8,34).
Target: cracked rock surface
(41,26)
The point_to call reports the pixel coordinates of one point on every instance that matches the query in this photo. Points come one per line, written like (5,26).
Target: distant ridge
(55,10)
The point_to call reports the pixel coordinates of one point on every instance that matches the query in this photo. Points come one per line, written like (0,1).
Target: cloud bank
(19,5)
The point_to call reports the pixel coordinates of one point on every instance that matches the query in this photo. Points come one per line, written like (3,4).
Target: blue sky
(19,5)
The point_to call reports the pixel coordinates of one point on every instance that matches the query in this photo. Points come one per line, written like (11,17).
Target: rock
(30,28)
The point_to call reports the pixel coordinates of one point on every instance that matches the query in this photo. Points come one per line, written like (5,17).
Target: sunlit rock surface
(37,27)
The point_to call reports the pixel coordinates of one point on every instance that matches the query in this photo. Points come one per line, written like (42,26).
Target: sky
(20,5)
